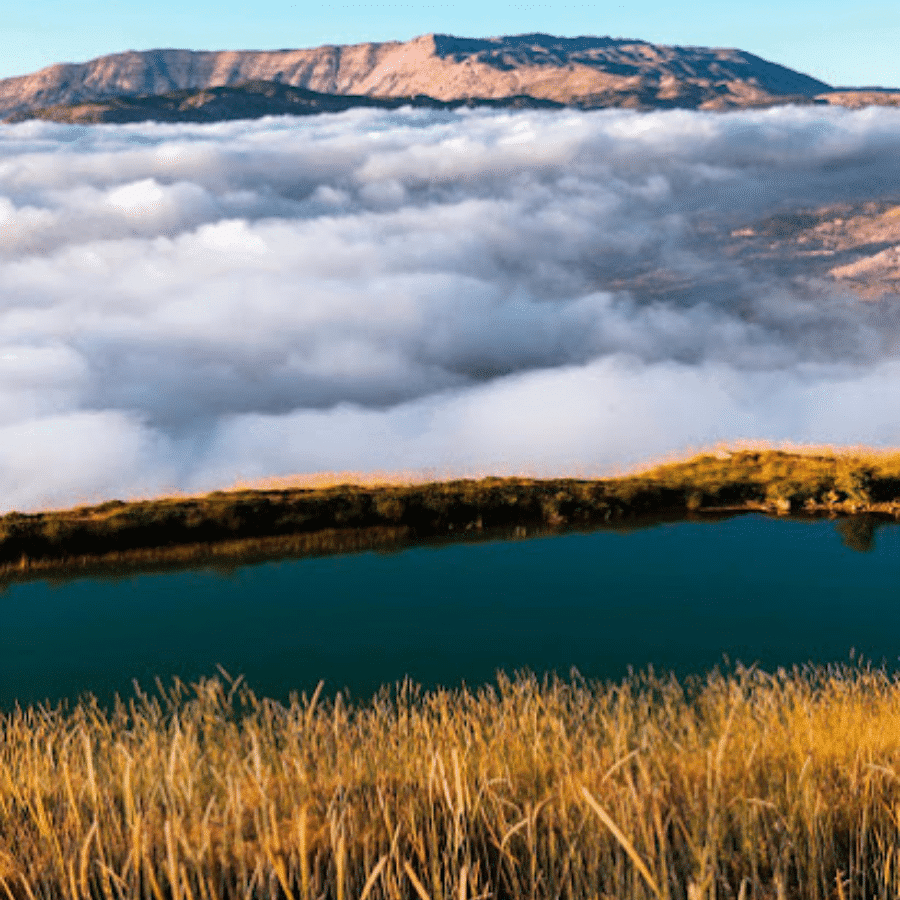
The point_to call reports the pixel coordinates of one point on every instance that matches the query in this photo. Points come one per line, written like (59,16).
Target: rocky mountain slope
(855,245)
(860,97)
(587,71)
(250,100)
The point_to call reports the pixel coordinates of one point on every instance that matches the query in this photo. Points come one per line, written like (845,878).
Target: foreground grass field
(249,525)
(744,785)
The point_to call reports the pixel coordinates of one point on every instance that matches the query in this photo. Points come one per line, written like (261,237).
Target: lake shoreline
(226,529)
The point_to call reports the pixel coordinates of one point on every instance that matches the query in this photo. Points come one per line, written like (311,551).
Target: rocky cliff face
(589,71)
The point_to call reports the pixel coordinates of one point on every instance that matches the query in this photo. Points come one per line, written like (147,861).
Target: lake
(676,596)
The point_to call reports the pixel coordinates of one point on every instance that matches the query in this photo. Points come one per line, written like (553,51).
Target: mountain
(250,100)
(584,71)
(857,245)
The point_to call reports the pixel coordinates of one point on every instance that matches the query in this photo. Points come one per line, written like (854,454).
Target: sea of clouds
(186,307)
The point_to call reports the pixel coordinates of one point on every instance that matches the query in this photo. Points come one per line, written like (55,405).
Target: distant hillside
(583,71)
(857,98)
(251,100)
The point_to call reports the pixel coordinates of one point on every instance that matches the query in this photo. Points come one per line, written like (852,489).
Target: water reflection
(858,533)
(677,596)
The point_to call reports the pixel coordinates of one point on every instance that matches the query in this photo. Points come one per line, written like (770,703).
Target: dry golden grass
(257,524)
(805,467)
(746,785)
(847,481)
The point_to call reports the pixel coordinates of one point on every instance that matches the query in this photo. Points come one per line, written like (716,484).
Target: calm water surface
(676,596)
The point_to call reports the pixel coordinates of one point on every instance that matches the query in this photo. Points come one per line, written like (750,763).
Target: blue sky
(838,42)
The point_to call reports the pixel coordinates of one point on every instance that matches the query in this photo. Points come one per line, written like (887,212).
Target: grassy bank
(746,785)
(244,525)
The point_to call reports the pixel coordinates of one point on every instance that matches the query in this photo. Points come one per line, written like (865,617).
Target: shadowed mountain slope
(251,100)
(587,71)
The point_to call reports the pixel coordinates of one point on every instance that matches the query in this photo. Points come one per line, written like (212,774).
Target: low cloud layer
(184,307)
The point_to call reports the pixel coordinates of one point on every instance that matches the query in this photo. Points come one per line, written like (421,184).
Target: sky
(840,43)
(187,307)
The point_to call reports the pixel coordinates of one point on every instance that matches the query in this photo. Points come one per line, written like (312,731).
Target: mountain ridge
(586,70)
(249,100)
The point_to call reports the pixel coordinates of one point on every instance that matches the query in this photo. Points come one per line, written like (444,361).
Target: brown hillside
(590,71)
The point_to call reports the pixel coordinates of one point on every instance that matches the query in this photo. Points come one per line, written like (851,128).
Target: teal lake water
(676,596)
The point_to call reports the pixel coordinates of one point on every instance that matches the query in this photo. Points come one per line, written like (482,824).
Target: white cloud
(185,306)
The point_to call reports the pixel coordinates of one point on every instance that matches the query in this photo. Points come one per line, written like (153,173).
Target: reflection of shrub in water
(858,533)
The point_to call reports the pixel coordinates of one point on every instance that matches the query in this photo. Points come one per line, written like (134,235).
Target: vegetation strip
(743,785)
(245,525)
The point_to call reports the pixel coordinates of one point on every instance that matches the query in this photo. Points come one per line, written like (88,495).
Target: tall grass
(744,785)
